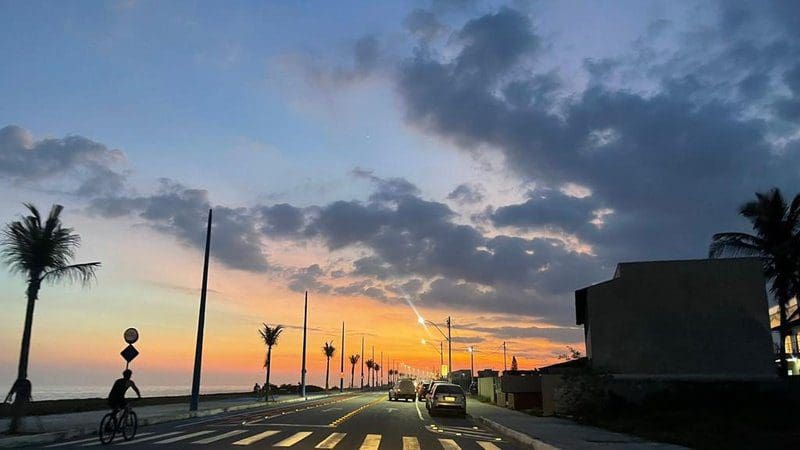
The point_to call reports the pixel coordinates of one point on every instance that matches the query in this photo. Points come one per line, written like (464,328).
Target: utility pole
(504,357)
(449,352)
(373,370)
(201,322)
(305,328)
(362,362)
(341,370)
(471,363)
(381,371)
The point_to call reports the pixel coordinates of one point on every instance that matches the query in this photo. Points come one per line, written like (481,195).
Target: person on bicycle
(116,398)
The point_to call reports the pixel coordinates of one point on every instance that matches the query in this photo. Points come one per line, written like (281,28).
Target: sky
(472,159)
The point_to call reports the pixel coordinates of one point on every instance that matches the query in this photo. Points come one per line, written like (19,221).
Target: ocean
(73,392)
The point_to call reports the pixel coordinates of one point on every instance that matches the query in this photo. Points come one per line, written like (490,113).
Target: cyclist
(116,398)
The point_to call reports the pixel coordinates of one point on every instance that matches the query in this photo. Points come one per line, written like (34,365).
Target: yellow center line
(352,413)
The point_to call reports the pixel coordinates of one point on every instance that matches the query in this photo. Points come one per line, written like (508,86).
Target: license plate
(449,399)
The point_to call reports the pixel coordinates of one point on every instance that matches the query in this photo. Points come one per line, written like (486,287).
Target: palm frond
(82,273)
(354,359)
(735,244)
(328,349)
(270,334)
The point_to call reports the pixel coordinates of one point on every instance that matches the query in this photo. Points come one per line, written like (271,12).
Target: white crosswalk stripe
(293,439)
(371,442)
(184,437)
(331,441)
(150,438)
(94,441)
(256,437)
(449,444)
(488,445)
(220,437)
(410,443)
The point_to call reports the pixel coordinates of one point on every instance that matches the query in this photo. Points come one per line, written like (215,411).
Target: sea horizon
(84,392)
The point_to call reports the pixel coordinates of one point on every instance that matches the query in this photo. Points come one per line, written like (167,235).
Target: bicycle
(127,423)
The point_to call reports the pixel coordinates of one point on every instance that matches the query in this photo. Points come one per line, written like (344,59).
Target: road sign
(129,353)
(131,335)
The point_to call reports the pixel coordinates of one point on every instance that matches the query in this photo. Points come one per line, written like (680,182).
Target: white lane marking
(185,436)
(418,411)
(256,437)
(91,439)
(150,438)
(371,442)
(449,444)
(410,443)
(220,437)
(293,439)
(488,445)
(331,441)
(332,409)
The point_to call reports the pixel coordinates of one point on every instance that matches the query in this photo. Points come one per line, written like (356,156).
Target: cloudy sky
(475,159)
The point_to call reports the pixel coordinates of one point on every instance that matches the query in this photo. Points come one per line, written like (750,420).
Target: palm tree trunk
(269,366)
(22,387)
(352,374)
(327,372)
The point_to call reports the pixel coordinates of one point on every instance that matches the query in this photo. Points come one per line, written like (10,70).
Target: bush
(584,395)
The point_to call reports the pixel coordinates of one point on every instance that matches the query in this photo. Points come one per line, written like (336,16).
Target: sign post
(131,335)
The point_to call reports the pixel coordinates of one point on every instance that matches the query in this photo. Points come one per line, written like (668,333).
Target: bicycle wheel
(107,429)
(129,425)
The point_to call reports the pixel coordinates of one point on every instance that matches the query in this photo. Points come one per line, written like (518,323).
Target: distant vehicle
(473,387)
(404,389)
(447,397)
(430,389)
(422,391)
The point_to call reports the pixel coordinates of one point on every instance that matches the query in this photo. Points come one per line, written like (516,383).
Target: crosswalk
(286,438)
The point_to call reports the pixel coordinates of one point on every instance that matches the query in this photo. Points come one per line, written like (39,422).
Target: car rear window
(445,389)
(405,384)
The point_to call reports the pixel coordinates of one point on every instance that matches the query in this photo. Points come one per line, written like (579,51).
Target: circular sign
(131,335)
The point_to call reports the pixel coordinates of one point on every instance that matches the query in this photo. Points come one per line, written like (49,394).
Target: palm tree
(42,252)
(353,361)
(370,364)
(270,337)
(377,368)
(328,349)
(776,242)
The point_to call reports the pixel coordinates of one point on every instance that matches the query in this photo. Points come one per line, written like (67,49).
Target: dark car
(422,391)
(404,389)
(449,398)
(473,387)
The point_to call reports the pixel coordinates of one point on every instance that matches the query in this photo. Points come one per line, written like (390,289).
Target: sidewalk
(549,433)
(57,427)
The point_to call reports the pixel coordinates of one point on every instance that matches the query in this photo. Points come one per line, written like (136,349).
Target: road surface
(366,421)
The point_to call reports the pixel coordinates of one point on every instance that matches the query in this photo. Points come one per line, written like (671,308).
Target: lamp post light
(447,337)
(471,351)
(439,350)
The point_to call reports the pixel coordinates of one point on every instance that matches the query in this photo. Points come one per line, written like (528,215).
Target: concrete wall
(699,318)
(488,389)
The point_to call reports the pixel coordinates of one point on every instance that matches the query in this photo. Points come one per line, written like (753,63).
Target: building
(693,319)
(793,339)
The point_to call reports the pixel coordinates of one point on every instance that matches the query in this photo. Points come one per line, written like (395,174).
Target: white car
(447,397)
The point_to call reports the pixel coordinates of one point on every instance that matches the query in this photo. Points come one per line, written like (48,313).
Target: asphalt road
(365,421)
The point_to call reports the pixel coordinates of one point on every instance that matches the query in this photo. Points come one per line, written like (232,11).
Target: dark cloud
(556,334)
(673,164)
(466,193)
(60,162)
(282,220)
(424,24)
(307,279)
(182,212)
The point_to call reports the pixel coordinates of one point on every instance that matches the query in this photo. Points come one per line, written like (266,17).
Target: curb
(516,436)
(82,431)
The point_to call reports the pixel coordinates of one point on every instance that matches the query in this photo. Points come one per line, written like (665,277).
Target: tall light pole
(305,329)
(447,337)
(341,368)
(362,362)
(471,363)
(504,357)
(201,322)
(439,350)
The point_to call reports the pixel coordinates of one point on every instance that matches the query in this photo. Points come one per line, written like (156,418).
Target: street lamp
(447,337)
(439,350)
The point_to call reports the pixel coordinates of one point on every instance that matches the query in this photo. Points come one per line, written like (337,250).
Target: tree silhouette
(377,368)
(353,361)
(328,349)
(42,252)
(370,364)
(270,337)
(776,243)
(514,363)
